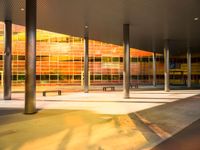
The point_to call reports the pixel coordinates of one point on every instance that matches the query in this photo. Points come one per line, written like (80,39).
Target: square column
(166,65)
(189,68)
(154,69)
(30,83)
(7,69)
(86,60)
(126,73)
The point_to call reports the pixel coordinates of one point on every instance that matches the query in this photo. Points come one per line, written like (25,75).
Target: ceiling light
(196,19)
(22,9)
(86,27)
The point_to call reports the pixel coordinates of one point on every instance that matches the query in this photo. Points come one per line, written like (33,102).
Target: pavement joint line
(7,132)
(156,129)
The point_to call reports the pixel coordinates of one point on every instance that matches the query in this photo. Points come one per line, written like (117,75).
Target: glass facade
(60,61)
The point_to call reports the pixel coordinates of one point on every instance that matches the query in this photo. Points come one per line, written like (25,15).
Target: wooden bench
(134,85)
(112,88)
(44,92)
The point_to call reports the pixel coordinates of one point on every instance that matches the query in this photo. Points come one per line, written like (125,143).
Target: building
(60,61)
(70,58)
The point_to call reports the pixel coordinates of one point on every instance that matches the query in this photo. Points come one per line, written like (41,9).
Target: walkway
(187,139)
(103,103)
(97,120)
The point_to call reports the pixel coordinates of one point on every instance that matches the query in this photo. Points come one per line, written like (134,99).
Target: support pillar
(86,60)
(30,83)
(7,75)
(126,72)
(166,65)
(189,68)
(154,69)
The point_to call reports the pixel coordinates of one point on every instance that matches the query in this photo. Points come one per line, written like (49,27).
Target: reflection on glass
(60,60)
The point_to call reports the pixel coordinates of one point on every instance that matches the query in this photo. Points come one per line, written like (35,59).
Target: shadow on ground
(161,122)
(87,130)
(9,111)
(187,139)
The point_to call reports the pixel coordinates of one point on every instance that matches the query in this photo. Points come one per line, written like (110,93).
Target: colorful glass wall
(60,61)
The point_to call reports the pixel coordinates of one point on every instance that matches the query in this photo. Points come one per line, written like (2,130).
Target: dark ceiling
(151,21)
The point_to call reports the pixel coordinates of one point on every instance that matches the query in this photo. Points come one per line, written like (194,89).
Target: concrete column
(189,68)
(86,60)
(154,69)
(7,75)
(166,65)
(30,84)
(126,72)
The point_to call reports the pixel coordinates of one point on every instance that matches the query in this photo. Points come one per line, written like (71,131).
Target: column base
(167,90)
(126,97)
(30,113)
(7,98)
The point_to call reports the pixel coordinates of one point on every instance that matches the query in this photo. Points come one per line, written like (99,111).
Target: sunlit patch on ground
(97,121)
(59,129)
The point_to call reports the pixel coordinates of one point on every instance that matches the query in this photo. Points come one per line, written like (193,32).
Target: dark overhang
(151,21)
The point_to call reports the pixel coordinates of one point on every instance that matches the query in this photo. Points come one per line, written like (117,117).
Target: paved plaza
(97,120)
(103,103)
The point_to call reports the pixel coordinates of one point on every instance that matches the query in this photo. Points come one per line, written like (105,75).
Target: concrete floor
(169,119)
(103,103)
(97,120)
(187,139)
(73,130)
